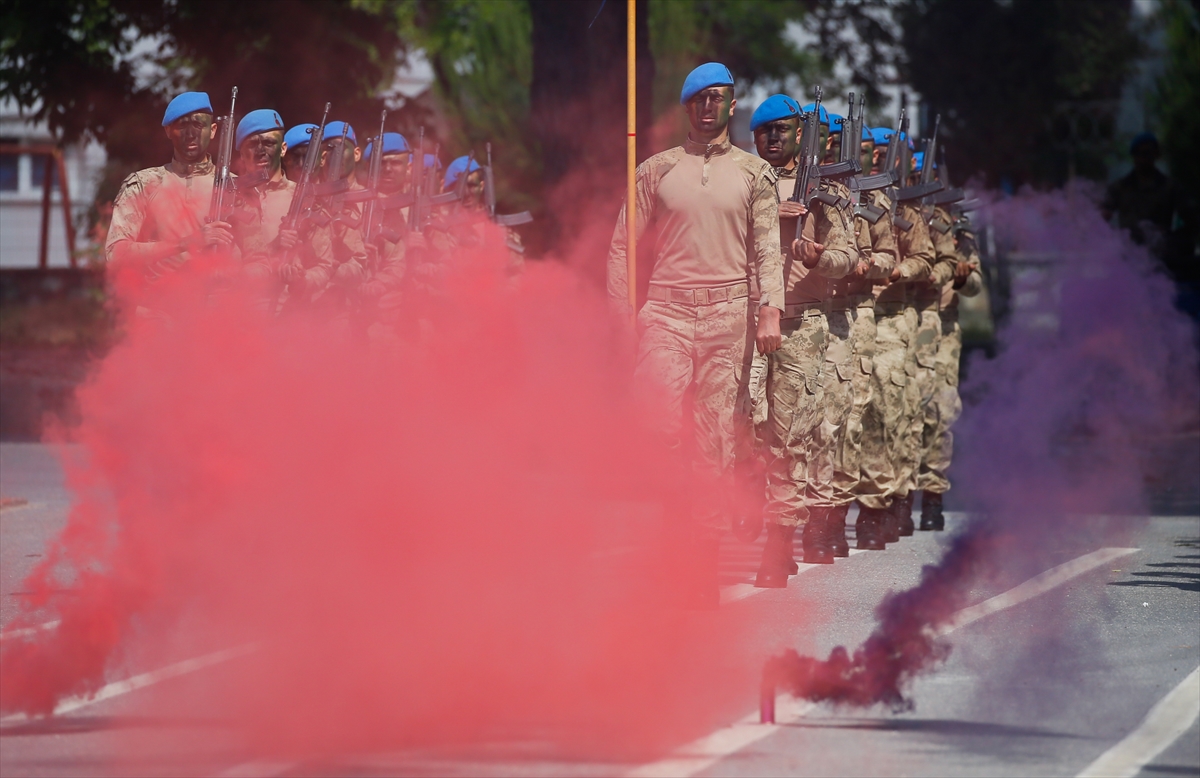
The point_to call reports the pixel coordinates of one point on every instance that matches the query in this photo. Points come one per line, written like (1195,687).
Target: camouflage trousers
(794,415)
(885,418)
(701,352)
(847,461)
(937,439)
(927,325)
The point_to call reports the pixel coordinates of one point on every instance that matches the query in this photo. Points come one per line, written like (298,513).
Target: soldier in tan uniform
(160,213)
(937,438)
(382,293)
(792,435)
(715,214)
(855,295)
(895,397)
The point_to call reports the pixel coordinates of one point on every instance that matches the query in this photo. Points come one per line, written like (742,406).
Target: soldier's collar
(204,167)
(784,172)
(706,149)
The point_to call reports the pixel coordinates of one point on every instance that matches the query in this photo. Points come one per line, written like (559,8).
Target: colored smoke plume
(434,535)
(1095,369)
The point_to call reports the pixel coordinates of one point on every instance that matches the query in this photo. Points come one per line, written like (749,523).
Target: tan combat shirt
(716,216)
(830,227)
(159,205)
(915,253)
(259,216)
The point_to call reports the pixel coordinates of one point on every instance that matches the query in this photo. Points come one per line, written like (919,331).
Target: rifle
(928,185)
(373,182)
(223,183)
(304,188)
(417,174)
(852,145)
(948,195)
(847,164)
(336,186)
(808,178)
(489,197)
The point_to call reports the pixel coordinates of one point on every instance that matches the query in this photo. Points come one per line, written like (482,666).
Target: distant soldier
(296,141)
(873,233)
(159,216)
(388,251)
(1146,200)
(937,441)
(715,213)
(895,398)
(796,435)
(264,195)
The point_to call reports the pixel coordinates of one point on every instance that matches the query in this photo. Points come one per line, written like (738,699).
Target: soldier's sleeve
(915,247)
(618,269)
(764,230)
(832,231)
(945,254)
(884,253)
(967,248)
(128,216)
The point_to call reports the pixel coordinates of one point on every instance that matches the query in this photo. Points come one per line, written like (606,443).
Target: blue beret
(456,169)
(432,162)
(773,109)
(299,135)
(918,161)
(393,143)
(256,121)
(835,122)
(708,74)
(1142,138)
(866,134)
(188,102)
(823,118)
(334,130)
(883,136)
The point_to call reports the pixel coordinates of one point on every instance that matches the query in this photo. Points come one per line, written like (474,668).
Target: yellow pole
(631,154)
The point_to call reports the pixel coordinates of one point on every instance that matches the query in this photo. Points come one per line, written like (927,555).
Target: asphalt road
(1094,664)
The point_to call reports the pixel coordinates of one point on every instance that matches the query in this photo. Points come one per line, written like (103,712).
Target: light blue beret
(773,109)
(393,143)
(708,74)
(262,120)
(918,161)
(299,135)
(823,118)
(334,130)
(188,102)
(835,122)
(882,136)
(432,162)
(456,169)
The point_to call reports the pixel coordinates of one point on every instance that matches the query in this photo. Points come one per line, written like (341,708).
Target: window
(8,172)
(37,171)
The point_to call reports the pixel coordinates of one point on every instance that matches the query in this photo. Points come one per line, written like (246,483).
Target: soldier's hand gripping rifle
(223,181)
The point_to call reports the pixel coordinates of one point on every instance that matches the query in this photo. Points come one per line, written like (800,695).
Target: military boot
(817,549)
(777,559)
(932,518)
(902,507)
(891,525)
(869,528)
(835,524)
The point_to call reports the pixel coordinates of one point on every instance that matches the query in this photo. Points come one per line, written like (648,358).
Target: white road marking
(1172,716)
(701,754)
(118,688)
(9,634)
(741,591)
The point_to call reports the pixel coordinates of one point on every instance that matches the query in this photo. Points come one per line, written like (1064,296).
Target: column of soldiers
(810,339)
(314,221)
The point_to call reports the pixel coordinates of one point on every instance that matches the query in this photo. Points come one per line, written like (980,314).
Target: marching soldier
(716,214)
(159,215)
(388,252)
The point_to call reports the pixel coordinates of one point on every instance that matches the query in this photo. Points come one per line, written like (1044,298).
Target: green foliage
(1177,103)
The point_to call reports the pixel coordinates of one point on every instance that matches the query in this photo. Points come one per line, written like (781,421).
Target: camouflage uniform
(895,399)
(855,295)
(257,218)
(716,217)
(937,440)
(797,433)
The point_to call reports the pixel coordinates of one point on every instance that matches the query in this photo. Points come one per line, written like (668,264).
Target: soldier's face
(393,172)
(867,156)
(777,141)
(833,150)
(822,137)
(878,155)
(190,136)
(709,109)
(293,162)
(350,155)
(262,151)
(475,186)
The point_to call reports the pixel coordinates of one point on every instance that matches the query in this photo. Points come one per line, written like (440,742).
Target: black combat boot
(932,518)
(817,549)
(777,559)
(902,507)
(869,528)
(835,523)
(891,525)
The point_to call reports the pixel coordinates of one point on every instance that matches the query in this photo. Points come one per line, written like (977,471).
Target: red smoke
(430,535)
(1059,428)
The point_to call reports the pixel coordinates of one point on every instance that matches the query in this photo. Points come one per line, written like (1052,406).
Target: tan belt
(663,294)
(852,301)
(796,310)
